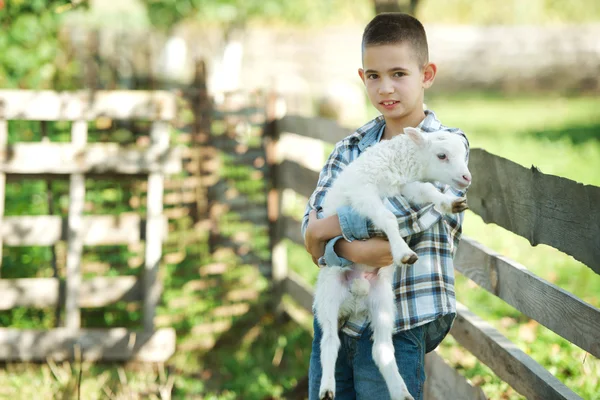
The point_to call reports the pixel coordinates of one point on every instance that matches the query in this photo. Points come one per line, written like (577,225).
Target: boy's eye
(399,74)
(441,156)
(372,76)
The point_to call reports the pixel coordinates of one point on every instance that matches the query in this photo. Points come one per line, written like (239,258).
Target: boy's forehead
(386,56)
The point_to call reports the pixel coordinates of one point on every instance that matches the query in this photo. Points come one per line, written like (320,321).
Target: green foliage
(166,13)
(30,45)
(492,12)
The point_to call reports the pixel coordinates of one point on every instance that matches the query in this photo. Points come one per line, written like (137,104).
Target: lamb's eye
(441,156)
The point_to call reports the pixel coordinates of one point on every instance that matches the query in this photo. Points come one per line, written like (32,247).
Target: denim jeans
(357,376)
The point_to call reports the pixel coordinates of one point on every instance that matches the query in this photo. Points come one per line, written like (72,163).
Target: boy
(396,71)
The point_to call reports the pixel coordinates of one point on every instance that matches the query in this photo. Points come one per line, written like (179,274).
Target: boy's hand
(313,243)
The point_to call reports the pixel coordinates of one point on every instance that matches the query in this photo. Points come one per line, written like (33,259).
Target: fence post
(74,236)
(159,137)
(279,263)
(202,107)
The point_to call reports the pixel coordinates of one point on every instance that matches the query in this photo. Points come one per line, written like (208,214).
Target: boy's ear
(415,135)
(429,71)
(361,74)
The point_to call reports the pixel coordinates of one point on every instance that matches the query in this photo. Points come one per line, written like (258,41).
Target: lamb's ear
(415,135)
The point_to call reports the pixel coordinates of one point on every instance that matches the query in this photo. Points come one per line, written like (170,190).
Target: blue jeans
(357,376)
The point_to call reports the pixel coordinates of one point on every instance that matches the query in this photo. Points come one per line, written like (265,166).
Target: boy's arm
(375,252)
(321,230)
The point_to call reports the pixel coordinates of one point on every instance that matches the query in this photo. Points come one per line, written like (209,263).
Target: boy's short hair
(396,28)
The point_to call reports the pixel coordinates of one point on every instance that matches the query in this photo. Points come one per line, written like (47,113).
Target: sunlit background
(520,78)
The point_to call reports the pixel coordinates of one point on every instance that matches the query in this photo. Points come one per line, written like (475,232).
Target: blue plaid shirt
(424,291)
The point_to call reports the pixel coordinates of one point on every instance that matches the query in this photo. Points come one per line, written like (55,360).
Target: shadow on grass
(577,134)
(229,343)
(259,356)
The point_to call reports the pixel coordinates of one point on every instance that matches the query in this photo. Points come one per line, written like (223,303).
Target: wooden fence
(76,160)
(542,208)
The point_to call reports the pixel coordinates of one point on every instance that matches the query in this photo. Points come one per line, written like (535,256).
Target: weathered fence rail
(74,161)
(542,208)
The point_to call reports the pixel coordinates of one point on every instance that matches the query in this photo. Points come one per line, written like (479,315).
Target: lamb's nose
(467,178)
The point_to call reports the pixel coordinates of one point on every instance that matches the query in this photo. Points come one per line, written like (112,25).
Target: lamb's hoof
(328,395)
(410,258)
(459,205)
(403,396)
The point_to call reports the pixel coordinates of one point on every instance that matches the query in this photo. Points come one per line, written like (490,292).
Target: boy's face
(395,81)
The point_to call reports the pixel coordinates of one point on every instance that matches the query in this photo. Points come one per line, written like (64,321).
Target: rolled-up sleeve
(331,258)
(354,226)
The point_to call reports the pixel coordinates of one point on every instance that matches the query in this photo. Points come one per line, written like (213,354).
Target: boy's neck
(396,127)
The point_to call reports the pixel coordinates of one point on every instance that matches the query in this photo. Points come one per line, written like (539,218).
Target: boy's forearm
(375,252)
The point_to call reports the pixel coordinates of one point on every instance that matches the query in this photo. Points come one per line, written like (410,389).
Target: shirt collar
(374,132)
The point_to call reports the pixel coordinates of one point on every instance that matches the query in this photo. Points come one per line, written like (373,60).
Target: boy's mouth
(388,103)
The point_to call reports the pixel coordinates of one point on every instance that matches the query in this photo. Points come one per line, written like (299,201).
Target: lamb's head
(444,157)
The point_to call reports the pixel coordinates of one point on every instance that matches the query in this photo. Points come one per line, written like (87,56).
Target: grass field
(231,347)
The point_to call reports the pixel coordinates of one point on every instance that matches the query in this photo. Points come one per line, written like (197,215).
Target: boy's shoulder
(367,132)
(431,123)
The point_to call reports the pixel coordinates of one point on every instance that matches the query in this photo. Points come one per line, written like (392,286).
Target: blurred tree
(29,44)
(167,13)
(406,6)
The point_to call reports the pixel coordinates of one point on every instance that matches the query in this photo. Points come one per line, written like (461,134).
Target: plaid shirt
(425,291)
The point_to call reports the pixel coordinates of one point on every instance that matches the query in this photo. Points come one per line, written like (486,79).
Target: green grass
(561,136)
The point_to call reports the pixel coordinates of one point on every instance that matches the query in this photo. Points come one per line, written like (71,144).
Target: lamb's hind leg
(367,203)
(330,294)
(382,311)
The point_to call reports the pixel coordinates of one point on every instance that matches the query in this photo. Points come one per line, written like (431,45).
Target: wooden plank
(45,105)
(542,208)
(553,307)
(97,158)
(510,363)
(279,264)
(74,233)
(299,290)
(61,344)
(159,136)
(49,292)
(97,230)
(298,178)
(316,128)
(444,382)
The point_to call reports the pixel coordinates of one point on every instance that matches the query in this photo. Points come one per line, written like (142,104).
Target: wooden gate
(78,160)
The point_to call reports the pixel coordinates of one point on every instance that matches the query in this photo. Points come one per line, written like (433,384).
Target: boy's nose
(386,87)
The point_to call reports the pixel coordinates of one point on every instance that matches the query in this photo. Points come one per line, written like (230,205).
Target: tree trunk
(406,6)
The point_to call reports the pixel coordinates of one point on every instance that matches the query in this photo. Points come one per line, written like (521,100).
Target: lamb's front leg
(383,313)
(330,294)
(367,203)
(424,192)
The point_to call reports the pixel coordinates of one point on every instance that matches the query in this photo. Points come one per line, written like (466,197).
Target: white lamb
(403,165)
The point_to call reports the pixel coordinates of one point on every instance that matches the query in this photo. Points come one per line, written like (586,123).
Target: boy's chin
(394,114)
